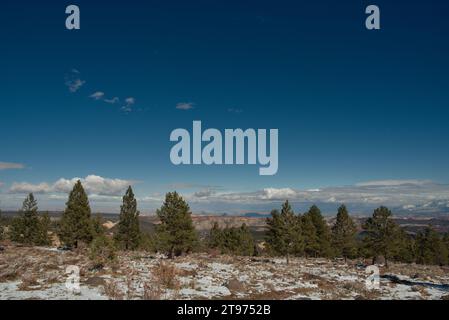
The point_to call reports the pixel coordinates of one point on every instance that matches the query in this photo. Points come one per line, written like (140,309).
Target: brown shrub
(112,290)
(28,281)
(152,291)
(165,274)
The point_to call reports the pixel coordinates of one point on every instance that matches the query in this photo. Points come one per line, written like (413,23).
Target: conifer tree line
(308,235)
(287,234)
(77,228)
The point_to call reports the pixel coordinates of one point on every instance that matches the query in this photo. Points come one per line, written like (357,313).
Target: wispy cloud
(73,80)
(411,195)
(10,165)
(97,95)
(185,106)
(234,110)
(112,101)
(126,107)
(24,187)
(129,102)
(93,184)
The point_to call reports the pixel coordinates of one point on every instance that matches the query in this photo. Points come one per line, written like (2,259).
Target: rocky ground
(40,273)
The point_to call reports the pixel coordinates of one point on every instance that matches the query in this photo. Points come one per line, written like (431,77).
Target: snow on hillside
(39,273)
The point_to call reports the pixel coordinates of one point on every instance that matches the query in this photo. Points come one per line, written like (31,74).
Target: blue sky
(351,105)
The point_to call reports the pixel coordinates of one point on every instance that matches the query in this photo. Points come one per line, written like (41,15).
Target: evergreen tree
(128,233)
(311,244)
(344,234)
(2,230)
(28,228)
(215,239)
(176,233)
(238,241)
(284,232)
(323,232)
(431,248)
(446,244)
(44,227)
(246,241)
(76,225)
(406,248)
(382,234)
(97,226)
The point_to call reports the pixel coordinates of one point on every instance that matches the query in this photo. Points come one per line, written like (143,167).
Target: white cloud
(277,194)
(129,103)
(404,194)
(393,183)
(112,101)
(204,193)
(10,165)
(185,106)
(25,187)
(130,100)
(94,185)
(97,95)
(74,83)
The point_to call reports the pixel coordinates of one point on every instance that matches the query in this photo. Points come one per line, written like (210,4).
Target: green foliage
(102,250)
(238,241)
(2,230)
(176,233)
(75,225)
(323,233)
(405,250)
(430,248)
(97,227)
(44,228)
(28,228)
(128,233)
(344,235)
(147,242)
(383,235)
(284,235)
(311,245)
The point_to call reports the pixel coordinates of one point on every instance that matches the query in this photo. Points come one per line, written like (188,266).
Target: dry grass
(152,291)
(166,275)
(29,283)
(113,291)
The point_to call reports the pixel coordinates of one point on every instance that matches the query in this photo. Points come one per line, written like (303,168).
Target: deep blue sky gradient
(350,104)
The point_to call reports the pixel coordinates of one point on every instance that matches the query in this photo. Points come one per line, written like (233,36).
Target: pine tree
(176,233)
(446,244)
(215,239)
(246,241)
(27,228)
(128,234)
(311,244)
(284,232)
(76,225)
(2,230)
(344,234)
(323,232)
(382,234)
(406,247)
(431,248)
(97,226)
(43,238)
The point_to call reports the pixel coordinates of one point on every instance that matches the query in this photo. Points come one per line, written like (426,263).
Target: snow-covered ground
(40,273)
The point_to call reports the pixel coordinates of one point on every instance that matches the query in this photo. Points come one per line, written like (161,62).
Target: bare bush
(165,274)
(152,291)
(113,291)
